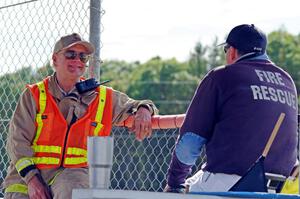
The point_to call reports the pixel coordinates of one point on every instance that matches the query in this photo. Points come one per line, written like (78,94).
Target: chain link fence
(143,165)
(29,30)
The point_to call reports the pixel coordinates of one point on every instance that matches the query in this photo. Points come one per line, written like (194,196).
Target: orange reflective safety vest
(56,144)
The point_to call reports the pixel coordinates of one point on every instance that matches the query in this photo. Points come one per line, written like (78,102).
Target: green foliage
(12,85)
(169,83)
(119,72)
(43,72)
(284,50)
(166,82)
(197,61)
(216,55)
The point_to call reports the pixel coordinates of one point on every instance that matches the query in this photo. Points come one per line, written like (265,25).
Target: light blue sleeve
(188,148)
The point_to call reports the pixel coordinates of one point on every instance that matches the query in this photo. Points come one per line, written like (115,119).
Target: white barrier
(123,194)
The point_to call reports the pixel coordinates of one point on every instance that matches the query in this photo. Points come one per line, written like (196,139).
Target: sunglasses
(71,54)
(226,47)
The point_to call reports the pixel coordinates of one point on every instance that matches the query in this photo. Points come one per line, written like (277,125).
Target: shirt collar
(58,93)
(251,56)
(62,90)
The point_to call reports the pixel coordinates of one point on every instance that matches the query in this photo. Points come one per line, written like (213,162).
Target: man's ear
(54,58)
(233,54)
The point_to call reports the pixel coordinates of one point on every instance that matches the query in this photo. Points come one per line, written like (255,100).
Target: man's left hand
(142,124)
(180,189)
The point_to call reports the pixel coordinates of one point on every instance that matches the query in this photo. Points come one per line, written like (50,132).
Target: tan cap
(71,40)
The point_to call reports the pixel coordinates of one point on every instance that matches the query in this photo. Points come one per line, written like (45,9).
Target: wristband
(24,166)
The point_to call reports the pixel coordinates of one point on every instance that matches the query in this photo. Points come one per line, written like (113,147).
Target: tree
(119,72)
(166,82)
(197,61)
(284,50)
(216,55)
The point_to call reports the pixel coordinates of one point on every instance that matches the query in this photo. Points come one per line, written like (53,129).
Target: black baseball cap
(247,39)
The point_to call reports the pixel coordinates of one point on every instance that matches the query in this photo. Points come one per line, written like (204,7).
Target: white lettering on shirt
(279,78)
(271,94)
(265,92)
(280,95)
(256,92)
(270,77)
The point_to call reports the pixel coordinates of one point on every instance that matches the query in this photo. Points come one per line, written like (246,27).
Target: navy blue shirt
(236,107)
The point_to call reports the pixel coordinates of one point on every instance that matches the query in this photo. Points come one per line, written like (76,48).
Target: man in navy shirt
(232,113)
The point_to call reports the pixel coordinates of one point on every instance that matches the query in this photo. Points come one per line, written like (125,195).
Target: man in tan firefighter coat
(47,141)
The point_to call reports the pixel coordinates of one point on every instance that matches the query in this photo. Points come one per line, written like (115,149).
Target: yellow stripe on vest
(76,160)
(17,188)
(100,109)
(45,160)
(46,149)
(42,103)
(76,151)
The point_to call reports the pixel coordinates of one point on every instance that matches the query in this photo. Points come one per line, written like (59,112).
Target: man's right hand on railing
(158,121)
(142,124)
(38,189)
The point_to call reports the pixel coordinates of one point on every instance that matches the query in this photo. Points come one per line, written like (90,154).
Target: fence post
(95,25)
(100,160)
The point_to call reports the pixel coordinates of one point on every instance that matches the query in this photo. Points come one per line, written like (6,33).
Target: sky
(137,30)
